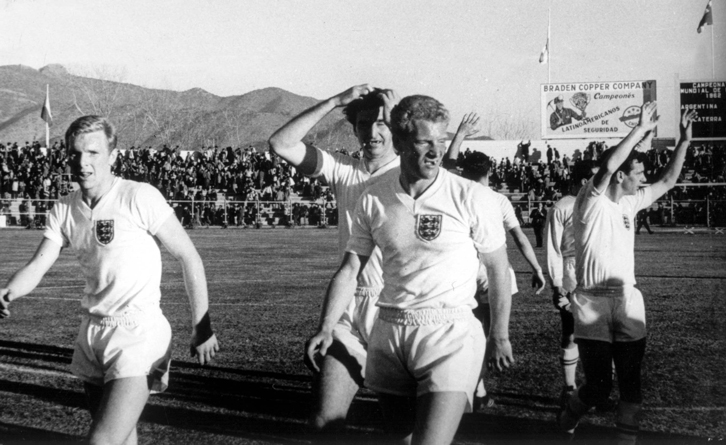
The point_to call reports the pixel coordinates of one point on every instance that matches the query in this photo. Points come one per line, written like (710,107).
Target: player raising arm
(342,371)
(123,348)
(478,169)
(608,309)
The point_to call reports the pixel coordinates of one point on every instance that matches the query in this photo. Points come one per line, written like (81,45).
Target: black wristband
(203,330)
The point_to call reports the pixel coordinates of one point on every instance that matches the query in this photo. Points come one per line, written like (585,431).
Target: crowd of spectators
(194,181)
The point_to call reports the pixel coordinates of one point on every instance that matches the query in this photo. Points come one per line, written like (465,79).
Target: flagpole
(47,127)
(713,57)
(549,43)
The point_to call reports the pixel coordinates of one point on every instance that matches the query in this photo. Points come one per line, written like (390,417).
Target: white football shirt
(348,177)
(605,237)
(114,244)
(429,245)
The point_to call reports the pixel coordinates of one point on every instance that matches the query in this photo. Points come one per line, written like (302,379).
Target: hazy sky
(475,55)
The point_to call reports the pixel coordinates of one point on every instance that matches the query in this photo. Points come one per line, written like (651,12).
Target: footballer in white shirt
(123,348)
(338,375)
(609,311)
(426,348)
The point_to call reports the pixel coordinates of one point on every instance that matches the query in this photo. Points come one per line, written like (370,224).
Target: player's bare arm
(27,277)
(648,121)
(287,141)
(340,293)
(525,248)
(670,174)
(203,344)
(646,143)
(468,127)
(498,351)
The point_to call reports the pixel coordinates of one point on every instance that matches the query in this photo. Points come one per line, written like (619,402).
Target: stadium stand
(244,187)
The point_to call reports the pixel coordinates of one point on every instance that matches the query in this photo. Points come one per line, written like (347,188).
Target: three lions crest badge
(428,227)
(104,231)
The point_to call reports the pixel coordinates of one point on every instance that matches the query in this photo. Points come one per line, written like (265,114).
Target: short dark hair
(413,108)
(370,101)
(476,165)
(627,165)
(91,124)
(583,170)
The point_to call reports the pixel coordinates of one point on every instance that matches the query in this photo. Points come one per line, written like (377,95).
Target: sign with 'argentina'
(589,110)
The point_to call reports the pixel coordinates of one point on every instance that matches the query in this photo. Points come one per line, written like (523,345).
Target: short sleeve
(361,240)
(150,208)
(587,199)
(53,225)
(487,230)
(324,165)
(508,215)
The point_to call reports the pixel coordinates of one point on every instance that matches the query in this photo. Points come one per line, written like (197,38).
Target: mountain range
(192,119)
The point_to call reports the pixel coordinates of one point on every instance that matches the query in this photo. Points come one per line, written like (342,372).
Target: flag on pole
(707,18)
(45,112)
(545,54)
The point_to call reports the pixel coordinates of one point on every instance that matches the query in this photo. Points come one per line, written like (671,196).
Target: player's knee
(320,423)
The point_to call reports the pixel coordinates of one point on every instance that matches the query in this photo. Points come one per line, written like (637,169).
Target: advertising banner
(590,110)
(709,99)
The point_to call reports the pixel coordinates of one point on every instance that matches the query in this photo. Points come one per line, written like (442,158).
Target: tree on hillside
(97,89)
(509,125)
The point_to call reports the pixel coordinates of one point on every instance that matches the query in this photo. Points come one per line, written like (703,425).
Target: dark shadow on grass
(267,406)
(499,429)
(46,353)
(14,434)
(183,365)
(239,404)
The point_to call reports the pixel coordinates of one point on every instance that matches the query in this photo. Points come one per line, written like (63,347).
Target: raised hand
(689,115)
(469,125)
(351,94)
(390,99)
(648,116)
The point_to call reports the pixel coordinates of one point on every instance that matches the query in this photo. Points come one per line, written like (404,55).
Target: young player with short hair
(426,348)
(123,348)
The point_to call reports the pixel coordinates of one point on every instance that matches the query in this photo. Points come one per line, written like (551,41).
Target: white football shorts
(609,314)
(415,352)
(110,348)
(353,330)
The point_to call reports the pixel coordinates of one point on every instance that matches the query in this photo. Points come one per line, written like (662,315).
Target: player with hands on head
(340,367)
(608,309)
(123,349)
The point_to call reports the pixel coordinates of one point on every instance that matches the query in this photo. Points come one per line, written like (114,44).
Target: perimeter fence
(708,211)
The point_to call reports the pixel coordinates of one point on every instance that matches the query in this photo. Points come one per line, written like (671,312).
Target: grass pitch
(266,288)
